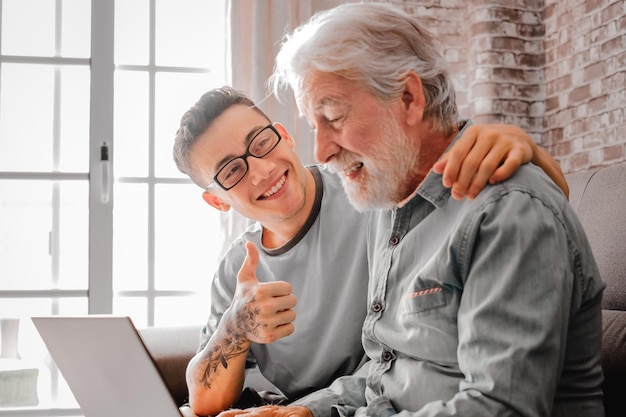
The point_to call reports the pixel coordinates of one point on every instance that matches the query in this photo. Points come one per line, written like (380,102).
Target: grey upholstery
(599,198)
(601,210)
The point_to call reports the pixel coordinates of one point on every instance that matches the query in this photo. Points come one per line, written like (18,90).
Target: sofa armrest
(171,349)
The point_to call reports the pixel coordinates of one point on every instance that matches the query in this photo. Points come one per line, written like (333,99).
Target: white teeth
(277,187)
(352,169)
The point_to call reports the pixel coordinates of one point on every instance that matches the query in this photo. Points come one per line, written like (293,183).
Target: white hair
(376,45)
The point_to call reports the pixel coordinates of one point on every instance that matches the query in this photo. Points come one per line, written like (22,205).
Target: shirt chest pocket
(423,298)
(428,315)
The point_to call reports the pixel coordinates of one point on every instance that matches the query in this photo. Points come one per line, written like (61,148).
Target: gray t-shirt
(326,264)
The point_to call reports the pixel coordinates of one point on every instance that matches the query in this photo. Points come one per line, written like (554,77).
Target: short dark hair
(198,118)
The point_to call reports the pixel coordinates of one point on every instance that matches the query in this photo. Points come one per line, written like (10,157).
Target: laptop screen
(107,366)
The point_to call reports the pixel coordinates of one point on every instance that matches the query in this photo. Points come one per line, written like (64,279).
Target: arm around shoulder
(551,167)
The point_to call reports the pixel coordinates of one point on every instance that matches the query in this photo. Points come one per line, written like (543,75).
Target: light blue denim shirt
(488,307)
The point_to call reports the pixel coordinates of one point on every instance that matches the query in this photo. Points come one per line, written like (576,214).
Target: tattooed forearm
(235,342)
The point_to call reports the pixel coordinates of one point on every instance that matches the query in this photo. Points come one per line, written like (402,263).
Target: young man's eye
(231,171)
(260,144)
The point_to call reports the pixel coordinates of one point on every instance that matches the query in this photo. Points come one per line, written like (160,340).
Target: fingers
(272,334)
(450,163)
(514,159)
(274,318)
(477,169)
(247,275)
(483,154)
(264,310)
(462,169)
(247,272)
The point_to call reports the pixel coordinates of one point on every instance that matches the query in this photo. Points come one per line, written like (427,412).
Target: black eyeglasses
(233,172)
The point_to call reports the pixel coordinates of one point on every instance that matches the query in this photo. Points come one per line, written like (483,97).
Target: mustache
(343,160)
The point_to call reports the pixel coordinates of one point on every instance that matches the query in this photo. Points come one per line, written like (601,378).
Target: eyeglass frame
(244,157)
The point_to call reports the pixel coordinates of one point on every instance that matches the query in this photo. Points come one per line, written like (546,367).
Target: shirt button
(394,240)
(377,307)
(387,356)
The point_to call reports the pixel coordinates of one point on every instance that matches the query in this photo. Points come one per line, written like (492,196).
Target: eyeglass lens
(262,144)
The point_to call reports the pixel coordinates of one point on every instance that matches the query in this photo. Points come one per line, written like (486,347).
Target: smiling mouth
(350,171)
(276,187)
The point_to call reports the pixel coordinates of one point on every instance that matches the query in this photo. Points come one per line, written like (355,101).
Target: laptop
(107,366)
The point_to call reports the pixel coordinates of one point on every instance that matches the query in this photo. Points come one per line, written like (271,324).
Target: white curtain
(256,29)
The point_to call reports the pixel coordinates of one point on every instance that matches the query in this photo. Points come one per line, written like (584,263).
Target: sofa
(599,198)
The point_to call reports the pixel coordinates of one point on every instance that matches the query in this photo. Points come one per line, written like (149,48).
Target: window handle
(104,164)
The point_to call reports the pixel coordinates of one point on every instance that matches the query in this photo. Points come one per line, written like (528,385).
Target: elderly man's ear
(214,201)
(413,99)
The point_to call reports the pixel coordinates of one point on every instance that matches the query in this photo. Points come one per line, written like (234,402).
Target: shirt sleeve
(341,398)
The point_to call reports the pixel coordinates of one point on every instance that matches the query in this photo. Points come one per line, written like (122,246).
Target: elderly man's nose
(325,146)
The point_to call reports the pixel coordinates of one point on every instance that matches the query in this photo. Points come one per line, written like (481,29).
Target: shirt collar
(432,189)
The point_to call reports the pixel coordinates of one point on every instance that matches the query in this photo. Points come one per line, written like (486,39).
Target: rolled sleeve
(342,398)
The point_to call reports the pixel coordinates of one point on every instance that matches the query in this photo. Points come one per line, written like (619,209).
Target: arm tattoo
(234,343)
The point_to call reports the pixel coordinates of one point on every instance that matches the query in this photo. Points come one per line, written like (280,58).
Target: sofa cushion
(600,208)
(578,182)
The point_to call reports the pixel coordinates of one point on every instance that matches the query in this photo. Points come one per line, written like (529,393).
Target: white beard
(381,184)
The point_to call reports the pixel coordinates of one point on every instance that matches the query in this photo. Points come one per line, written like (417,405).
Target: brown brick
(508,43)
(579,94)
(595,71)
(555,67)
(552,103)
(562,148)
(612,46)
(598,104)
(593,5)
(613,153)
(612,11)
(579,160)
(531,60)
(549,11)
(564,49)
(564,19)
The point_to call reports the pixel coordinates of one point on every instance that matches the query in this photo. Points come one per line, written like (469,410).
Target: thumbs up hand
(263,310)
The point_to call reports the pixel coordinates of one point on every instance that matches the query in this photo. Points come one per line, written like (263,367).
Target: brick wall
(556,68)
(585,78)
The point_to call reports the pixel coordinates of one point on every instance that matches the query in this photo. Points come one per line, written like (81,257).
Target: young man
(484,307)
(290,294)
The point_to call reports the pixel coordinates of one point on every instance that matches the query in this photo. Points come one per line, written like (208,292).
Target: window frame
(100,294)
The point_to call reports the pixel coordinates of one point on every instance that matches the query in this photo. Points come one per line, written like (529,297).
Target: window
(94,216)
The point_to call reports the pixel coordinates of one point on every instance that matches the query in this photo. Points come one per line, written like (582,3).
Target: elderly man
(482,307)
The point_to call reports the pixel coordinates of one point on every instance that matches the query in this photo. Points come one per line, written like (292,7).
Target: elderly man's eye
(335,121)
